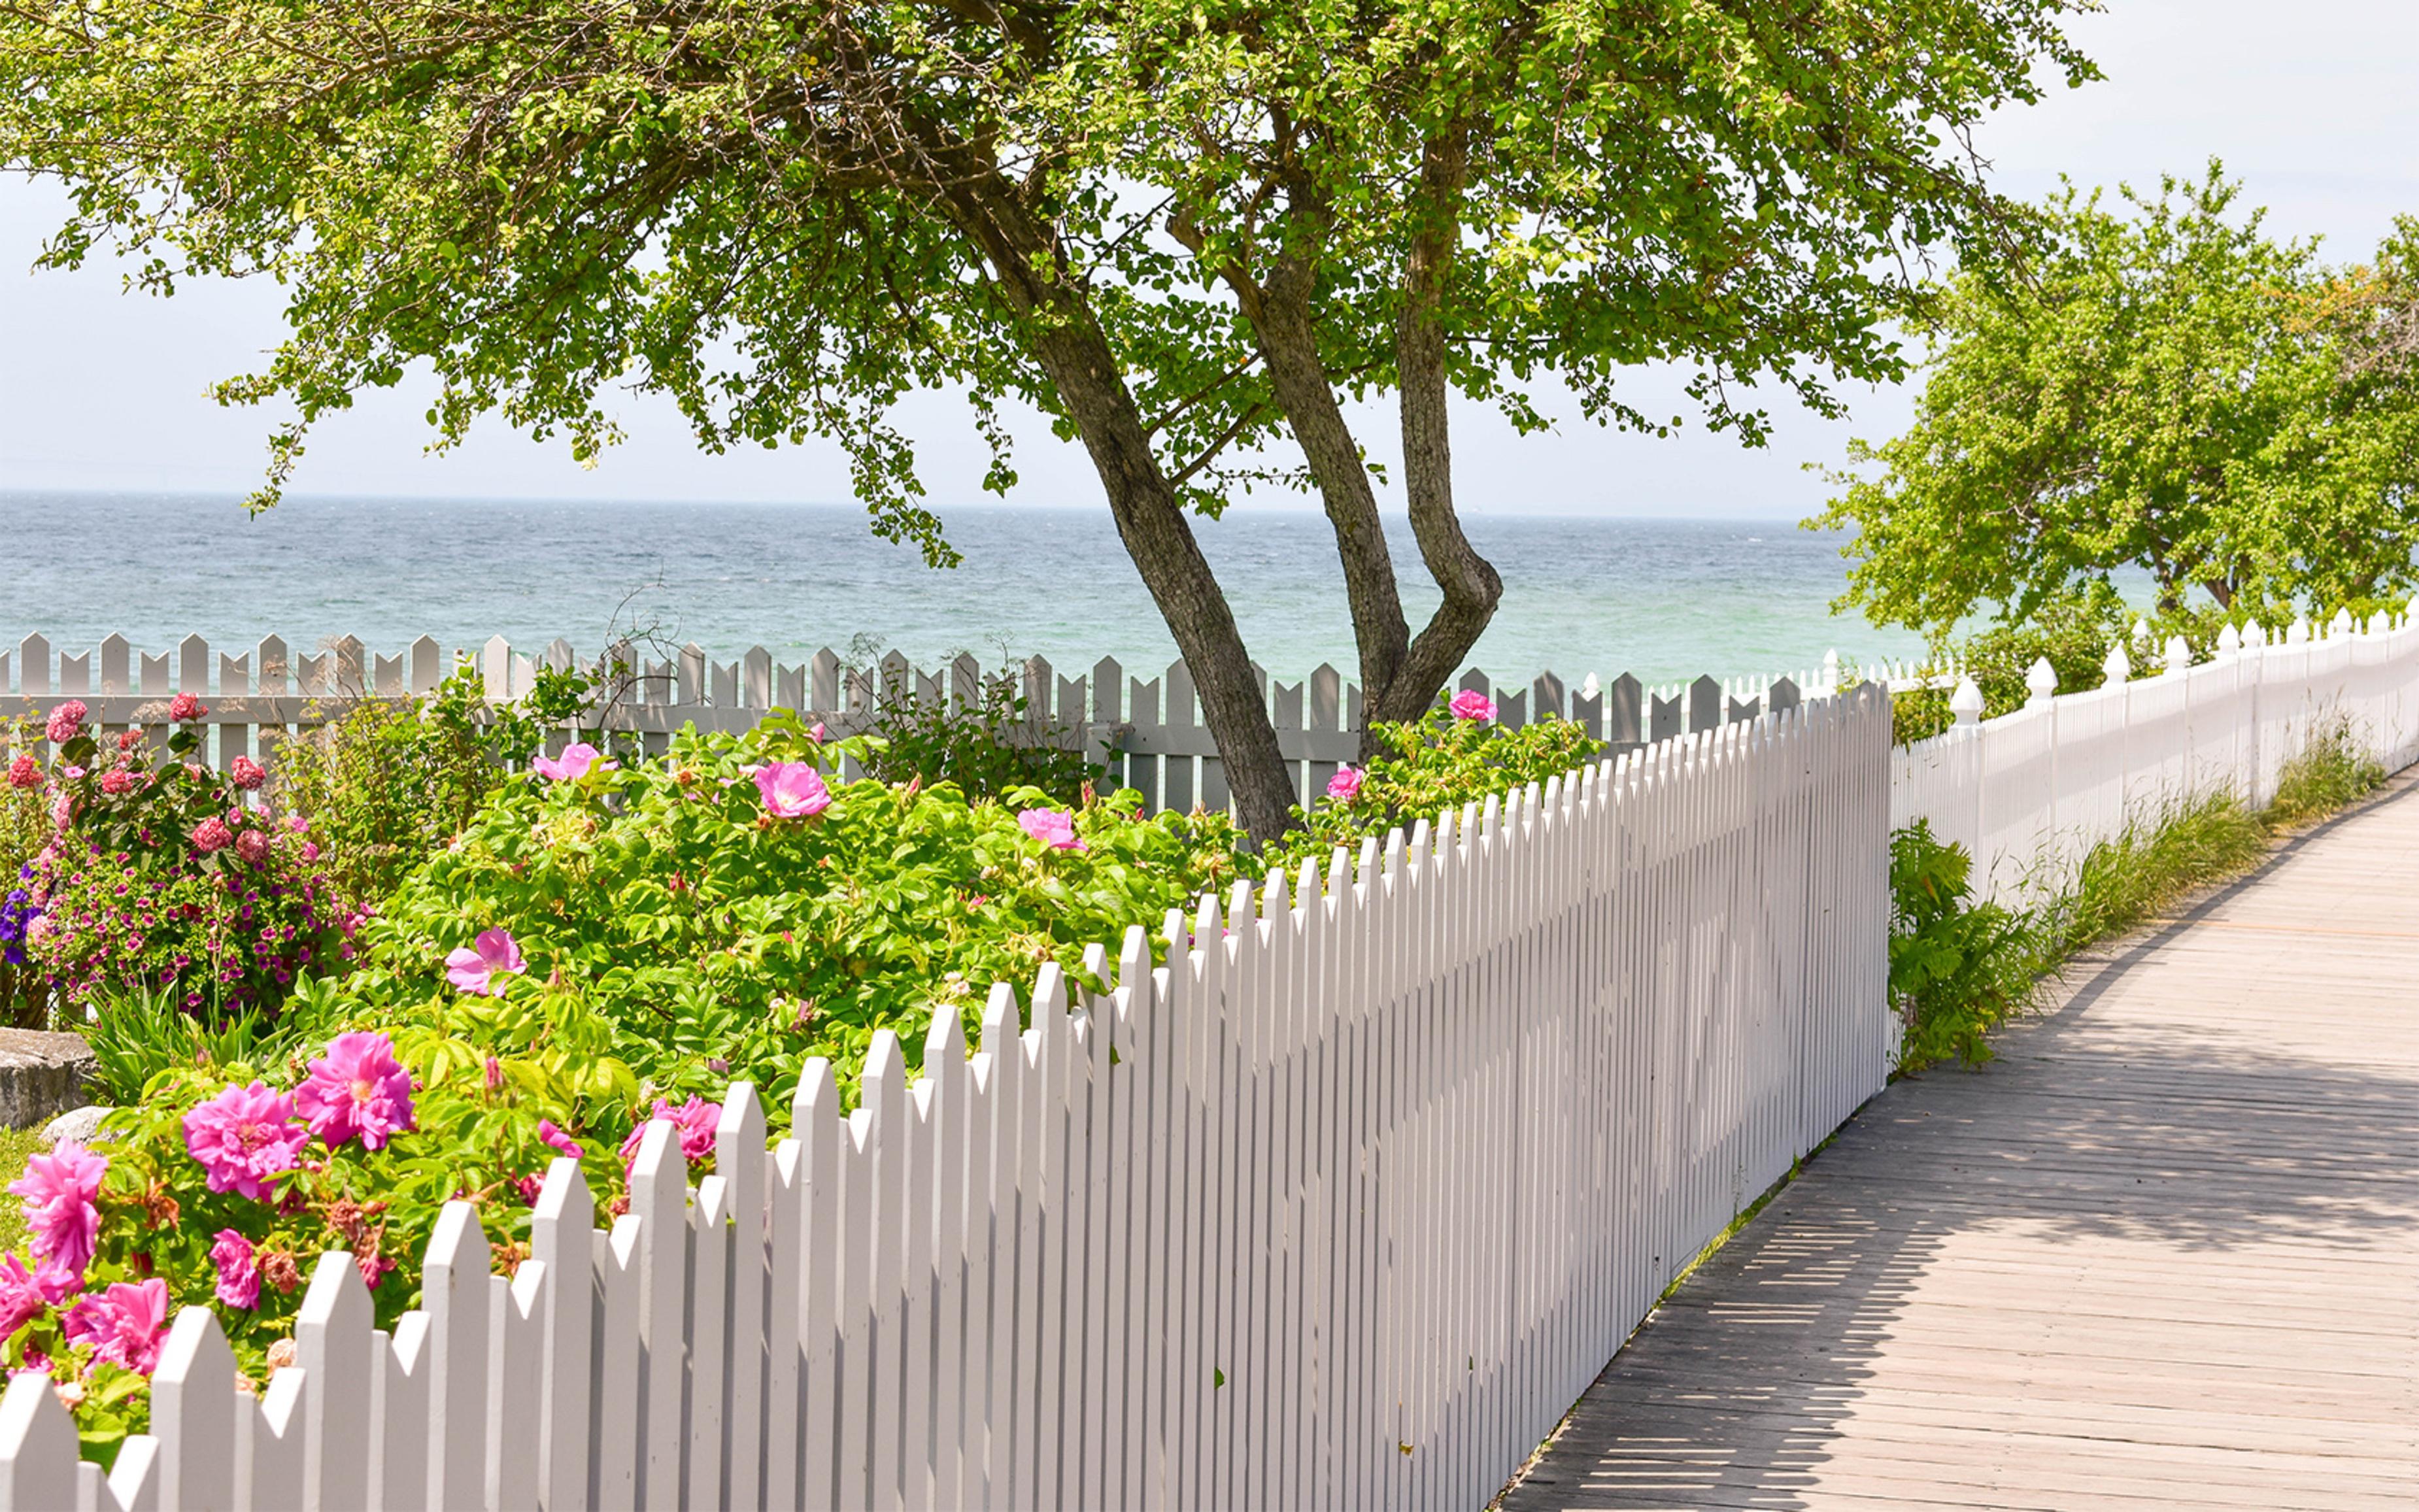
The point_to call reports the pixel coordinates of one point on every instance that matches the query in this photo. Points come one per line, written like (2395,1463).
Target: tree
(2170,391)
(1187,232)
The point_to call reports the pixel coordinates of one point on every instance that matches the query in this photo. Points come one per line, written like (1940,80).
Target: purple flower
(1345,785)
(127,1324)
(475,968)
(61,1220)
(211,835)
(238,1275)
(1470,704)
(573,764)
(243,1136)
(1053,827)
(793,790)
(248,774)
(357,1088)
(549,1135)
(24,1295)
(66,721)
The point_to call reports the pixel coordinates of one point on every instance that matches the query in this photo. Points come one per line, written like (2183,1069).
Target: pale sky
(2314,106)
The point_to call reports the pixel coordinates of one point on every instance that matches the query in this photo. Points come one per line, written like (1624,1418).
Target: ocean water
(1664,600)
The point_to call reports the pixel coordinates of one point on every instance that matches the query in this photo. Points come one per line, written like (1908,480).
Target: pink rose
(239,1276)
(212,835)
(793,790)
(310,851)
(118,781)
(573,764)
(186,707)
(816,734)
(555,1138)
(1472,705)
(253,845)
(357,1088)
(61,1220)
(244,1137)
(1052,827)
(474,969)
(66,722)
(24,772)
(248,774)
(1345,786)
(127,1324)
(694,1118)
(25,1295)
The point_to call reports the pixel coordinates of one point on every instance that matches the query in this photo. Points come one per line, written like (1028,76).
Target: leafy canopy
(787,216)
(2171,391)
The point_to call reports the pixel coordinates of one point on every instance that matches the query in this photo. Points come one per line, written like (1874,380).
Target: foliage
(1443,760)
(15,1144)
(987,750)
(2155,859)
(166,876)
(392,779)
(25,828)
(139,1032)
(2171,391)
(1189,233)
(1958,967)
(2331,770)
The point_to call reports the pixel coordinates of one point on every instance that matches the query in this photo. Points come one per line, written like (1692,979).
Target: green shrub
(138,1033)
(986,750)
(2332,771)
(1958,967)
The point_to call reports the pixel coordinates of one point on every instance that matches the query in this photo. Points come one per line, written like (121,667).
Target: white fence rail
(1150,731)
(1341,1206)
(2030,793)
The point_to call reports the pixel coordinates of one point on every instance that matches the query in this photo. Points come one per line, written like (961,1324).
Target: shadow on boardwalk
(2165,1251)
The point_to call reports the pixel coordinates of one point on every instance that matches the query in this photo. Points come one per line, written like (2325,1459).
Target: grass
(2136,874)
(16,1147)
(2333,770)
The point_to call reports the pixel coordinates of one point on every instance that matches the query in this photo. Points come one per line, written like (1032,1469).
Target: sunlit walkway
(2164,1253)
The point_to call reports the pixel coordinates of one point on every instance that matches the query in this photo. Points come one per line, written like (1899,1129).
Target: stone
(42,1075)
(79,1124)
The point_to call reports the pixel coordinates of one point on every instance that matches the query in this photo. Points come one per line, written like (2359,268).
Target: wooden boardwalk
(2163,1253)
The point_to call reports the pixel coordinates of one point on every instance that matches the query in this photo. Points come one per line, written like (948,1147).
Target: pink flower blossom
(248,774)
(1470,704)
(357,1088)
(573,764)
(529,1187)
(66,722)
(185,706)
(293,822)
(793,790)
(63,811)
(310,851)
(212,835)
(253,845)
(128,739)
(549,1135)
(1345,786)
(694,1119)
(24,772)
(239,1276)
(1053,827)
(61,1221)
(118,781)
(475,967)
(816,734)
(25,1295)
(126,1325)
(243,1136)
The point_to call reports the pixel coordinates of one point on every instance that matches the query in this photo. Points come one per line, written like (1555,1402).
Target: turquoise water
(1664,600)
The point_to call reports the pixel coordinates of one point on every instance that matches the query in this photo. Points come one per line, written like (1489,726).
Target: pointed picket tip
(1049,992)
(338,1301)
(881,1087)
(1001,1022)
(564,1197)
(817,1095)
(1134,956)
(1273,894)
(944,1038)
(197,1351)
(1172,930)
(658,1177)
(741,1125)
(1368,869)
(38,1445)
(459,1238)
(1208,920)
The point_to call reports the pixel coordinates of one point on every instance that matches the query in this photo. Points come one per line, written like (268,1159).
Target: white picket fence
(1341,1206)
(2028,794)
(1149,732)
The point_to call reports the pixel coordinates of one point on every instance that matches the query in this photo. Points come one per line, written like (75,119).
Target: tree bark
(1471,584)
(1074,351)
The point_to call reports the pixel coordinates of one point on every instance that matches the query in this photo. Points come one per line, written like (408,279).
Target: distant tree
(2170,391)
(1185,230)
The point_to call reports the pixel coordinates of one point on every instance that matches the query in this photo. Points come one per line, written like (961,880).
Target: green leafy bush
(1958,967)
(987,750)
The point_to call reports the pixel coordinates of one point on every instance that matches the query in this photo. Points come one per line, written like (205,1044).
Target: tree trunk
(1072,351)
